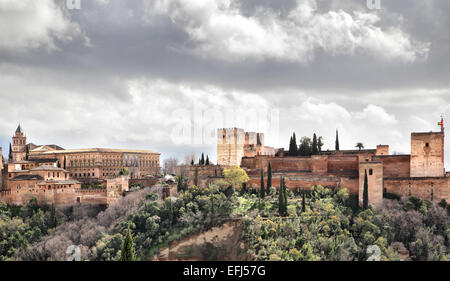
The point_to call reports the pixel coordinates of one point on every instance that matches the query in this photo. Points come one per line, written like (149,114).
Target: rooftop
(28,177)
(101,150)
(47,167)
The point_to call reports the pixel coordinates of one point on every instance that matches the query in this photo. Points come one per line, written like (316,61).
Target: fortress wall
(337,164)
(395,165)
(93,196)
(433,189)
(305,182)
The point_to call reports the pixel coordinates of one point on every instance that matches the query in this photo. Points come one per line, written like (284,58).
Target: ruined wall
(375,182)
(427,154)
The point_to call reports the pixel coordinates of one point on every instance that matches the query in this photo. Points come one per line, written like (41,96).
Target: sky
(163,75)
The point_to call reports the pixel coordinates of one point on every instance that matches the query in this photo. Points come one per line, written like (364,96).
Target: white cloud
(30,24)
(219,29)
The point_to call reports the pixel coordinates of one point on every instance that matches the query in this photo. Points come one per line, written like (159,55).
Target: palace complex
(52,174)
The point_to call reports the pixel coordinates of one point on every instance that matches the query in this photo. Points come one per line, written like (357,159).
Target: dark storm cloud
(120,66)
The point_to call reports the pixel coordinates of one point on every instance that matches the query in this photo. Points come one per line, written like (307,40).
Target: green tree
(196,177)
(10,156)
(305,148)
(202,160)
(192,162)
(128,252)
(359,145)
(180,183)
(314,149)
(320,143)
(269,177)
(262,191)
(53,220)
(207,160)
(293,145)
(124,172)
(65,163)
(303,202)
(366,192)
(282,200)
(235,176)
(337,141)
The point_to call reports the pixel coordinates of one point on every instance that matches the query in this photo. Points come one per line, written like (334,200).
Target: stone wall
(375,182)
(433,189)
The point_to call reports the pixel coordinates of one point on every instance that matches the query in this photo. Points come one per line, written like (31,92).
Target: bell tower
(19,144)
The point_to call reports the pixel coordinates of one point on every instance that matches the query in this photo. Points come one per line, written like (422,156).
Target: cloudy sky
(163,74)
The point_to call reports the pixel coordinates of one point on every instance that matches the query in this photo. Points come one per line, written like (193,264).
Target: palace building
(53,174)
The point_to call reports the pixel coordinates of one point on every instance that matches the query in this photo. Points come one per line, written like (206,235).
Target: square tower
(230,146)
(427,154)
(375,182)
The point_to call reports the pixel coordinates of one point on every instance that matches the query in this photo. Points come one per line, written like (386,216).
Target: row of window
(112,163)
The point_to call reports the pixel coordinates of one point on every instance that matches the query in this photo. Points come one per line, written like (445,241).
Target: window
(427,144)
(370,172)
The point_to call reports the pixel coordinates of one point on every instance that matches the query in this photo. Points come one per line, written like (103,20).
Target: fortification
(235,143)
(374,180)
(420,173)
(427,154)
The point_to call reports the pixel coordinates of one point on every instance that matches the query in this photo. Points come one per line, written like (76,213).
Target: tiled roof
(106,150)
(28,177)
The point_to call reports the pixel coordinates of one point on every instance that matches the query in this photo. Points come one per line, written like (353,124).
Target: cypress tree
(303,202)
(315,149)
(262,191)
(53,221)
(269,178)
(366,192)
(64,162)
(291,151)
(128,253)
(10,157)
(202,160)
(284,199)
(337,141)
(280,198)
(207,160)
(294,145)
(196,177)
(192,162)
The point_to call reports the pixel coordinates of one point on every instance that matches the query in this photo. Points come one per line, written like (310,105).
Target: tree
(181,183)
(192,162)
(202,160)
(314,149)
(303,202)
(320,143)
(128,252)
(235,176)
(207,160)
(196,177)
(366,192)
(282,198)
(65,163)
(269,177)
(53,220)
(124,172)
(170,166)
(337,141)
(262,191)
(293,145)
(359,145)
(10,156)
(305,148)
